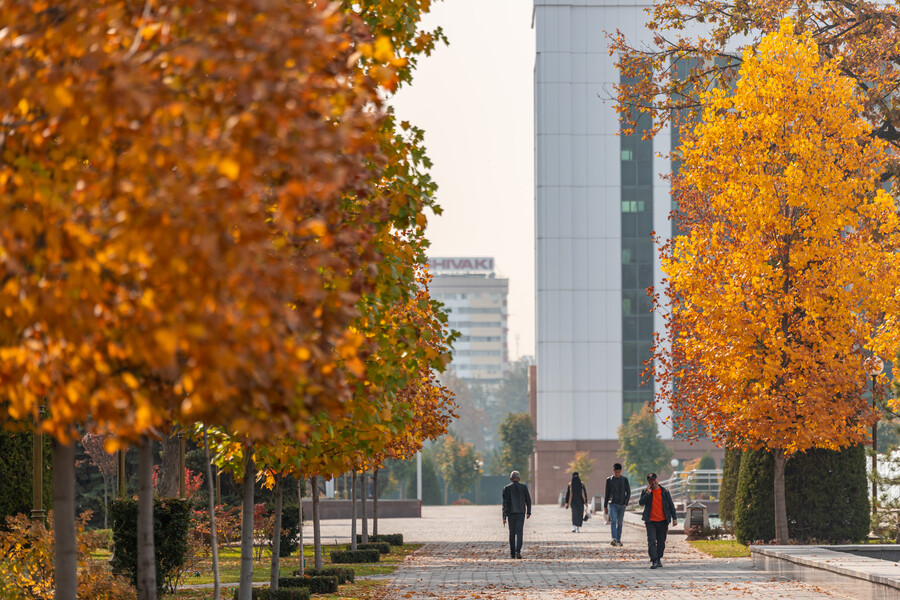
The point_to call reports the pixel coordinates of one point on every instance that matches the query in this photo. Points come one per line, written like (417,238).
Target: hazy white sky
(474,99)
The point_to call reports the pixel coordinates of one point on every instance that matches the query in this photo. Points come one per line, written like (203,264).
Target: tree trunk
(317,532)
(276,532)
(363,480)
(301,483)
(213,541)
(245,591)
(146,555)
(781,526)
(353,510)
(105,506)
(375,504)
(182,471)
(167,481)
(65,557)
(120,474)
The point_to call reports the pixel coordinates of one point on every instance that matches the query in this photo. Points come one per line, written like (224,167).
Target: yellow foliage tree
(786,279)
(583,464)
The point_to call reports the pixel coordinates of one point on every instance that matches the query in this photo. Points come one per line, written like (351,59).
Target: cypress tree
(728,490)
(754,506)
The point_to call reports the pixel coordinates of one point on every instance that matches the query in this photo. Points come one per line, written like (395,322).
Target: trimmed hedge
(171,526)
(382,547)
(320,584)
(394,539)
(16,465)
(343,574)
(295,593)
(290,529)
(825,495)
(359,556)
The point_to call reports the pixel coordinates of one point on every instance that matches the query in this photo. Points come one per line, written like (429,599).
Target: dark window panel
(629,328)
(645,173)
(629,277)
(629,224)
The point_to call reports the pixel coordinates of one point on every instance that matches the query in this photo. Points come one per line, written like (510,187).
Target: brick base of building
(551,460)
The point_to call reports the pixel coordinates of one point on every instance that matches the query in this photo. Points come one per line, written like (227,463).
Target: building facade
(476,302)
(599,198)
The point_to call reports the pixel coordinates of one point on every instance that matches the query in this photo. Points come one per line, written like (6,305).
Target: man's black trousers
(516,527)
(656,538)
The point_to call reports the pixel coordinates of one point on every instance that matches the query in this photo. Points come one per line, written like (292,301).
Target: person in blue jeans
(618,492)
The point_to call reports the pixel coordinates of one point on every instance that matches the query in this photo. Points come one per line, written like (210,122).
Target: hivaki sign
(461,265)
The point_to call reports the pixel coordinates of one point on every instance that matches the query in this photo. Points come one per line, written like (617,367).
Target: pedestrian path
(465,555)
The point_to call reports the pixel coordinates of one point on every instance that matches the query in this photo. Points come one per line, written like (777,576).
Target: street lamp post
(37,510)
(478,466)
(874,368)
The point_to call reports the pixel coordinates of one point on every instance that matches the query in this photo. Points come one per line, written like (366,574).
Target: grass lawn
(229,572)
(721,548)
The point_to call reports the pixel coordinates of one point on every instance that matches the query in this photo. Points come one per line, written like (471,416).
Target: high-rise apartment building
(476,300)
(599,197)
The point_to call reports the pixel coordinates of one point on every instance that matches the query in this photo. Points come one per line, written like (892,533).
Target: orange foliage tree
(786,278)
(177,244)
(398,407)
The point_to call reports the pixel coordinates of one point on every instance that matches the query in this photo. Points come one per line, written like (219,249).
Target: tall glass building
(599,198)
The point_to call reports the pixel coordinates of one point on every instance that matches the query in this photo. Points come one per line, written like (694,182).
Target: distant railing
(682,485)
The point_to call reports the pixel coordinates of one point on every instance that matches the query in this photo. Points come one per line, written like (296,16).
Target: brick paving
(465,556)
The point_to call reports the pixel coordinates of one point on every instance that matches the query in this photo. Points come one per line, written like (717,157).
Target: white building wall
(577,224)
(578,215)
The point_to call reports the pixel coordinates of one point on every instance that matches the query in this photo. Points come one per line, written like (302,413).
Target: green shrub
(343,574)
(358,556)
(731,469)
(827,496)
(171,526)
(296,593)
(290,530)
(382,547)
(394,539)
(319,584)
(754,506)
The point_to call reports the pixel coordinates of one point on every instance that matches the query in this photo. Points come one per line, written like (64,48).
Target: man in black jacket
(516,508)
(658,511)
(615,499)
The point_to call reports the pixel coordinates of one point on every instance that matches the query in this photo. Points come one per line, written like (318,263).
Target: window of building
(638,251)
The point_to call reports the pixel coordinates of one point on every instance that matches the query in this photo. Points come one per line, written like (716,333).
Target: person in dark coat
(576,499)
(516,508)
(659,509)
(615,500)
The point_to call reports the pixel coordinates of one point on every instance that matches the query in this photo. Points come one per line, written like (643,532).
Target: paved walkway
(465,556)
